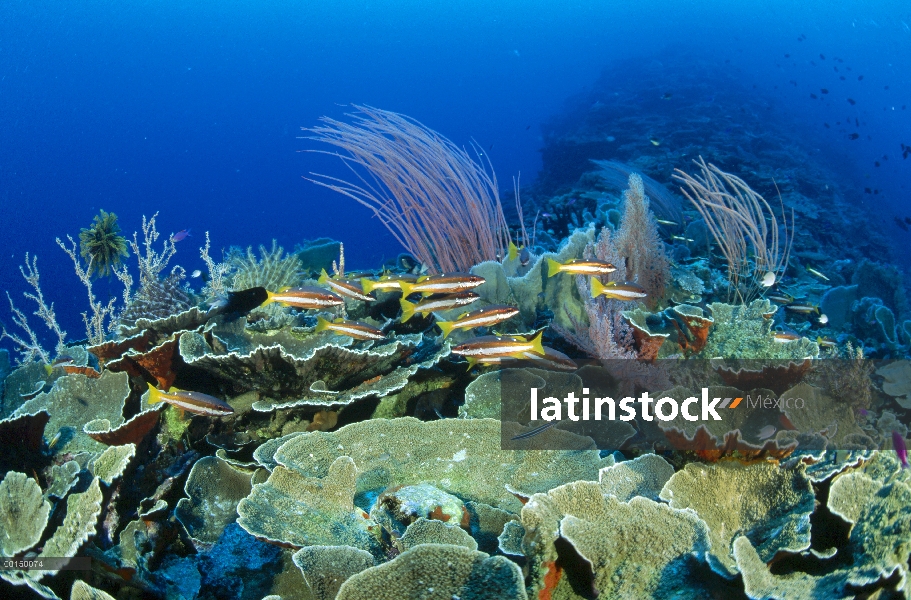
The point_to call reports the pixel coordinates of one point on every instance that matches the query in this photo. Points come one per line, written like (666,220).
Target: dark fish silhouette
(842,77)
(827,125)
(822,56)
(824,91)
(854,136)
(860,78)
(876,163)
(814,96)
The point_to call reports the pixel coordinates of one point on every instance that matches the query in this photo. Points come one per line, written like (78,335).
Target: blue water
(194,109)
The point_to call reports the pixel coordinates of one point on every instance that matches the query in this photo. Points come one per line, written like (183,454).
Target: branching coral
(736,217)
(95,326)
(101,245)
(638,242)
(31,349)
(439,203)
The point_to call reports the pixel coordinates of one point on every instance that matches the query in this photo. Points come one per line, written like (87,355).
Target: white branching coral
(95,327)
(31,349)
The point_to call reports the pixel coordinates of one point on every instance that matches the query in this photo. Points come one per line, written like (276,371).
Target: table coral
(769,504)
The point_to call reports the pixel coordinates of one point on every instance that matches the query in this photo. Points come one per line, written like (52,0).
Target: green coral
(214,488)
(272,270)
(769,504)
(326,568)
(438,572)
(23,513)
(745,332)
(102,246)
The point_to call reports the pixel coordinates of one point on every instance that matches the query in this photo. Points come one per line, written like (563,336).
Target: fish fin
(406,288)
(553,267)
(366,285)
(513,251)
(472,361)
(323,277)
(407,309)
(421,278)
(172,389)
(321,324)
(269,299)
(154,394)
(445,327)
(597,288)
(535,341)
(48,369)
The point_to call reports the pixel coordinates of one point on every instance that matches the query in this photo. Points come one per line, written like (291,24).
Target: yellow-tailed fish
(193,402)
(680,238)
(804,309)
(552,359)
(484,317)
(307,297)
(354,329)
(580,267)
(780,299)
(655,141)
(618,291)
(665,222)
(446,283)
(344,288)
(428,305)
(813,271)
(825,342)
(513,252)
(387,283)
(493,346)
(782,337)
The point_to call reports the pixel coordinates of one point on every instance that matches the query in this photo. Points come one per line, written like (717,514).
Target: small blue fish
(180,235)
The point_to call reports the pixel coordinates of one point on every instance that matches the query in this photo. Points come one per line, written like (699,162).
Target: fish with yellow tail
(483,317)
(353,329)
(618,291)
(344,288)
(305,298)
(519,252)
(386,283)
(580,267)
(192,402)
(497,346)
(428,305)
(446,283)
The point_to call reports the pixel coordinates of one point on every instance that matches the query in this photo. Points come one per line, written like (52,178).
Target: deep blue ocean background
(194,109)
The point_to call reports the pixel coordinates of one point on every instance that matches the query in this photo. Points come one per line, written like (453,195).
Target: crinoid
(101,245)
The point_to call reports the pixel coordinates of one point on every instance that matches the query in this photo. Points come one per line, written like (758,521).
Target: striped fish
(580,267)
(428,305)
(307,298)
(446,283)
(344,288)
(617,291)
(193,402)
(354,329)
(389,283)
(484,317)
(498,346)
